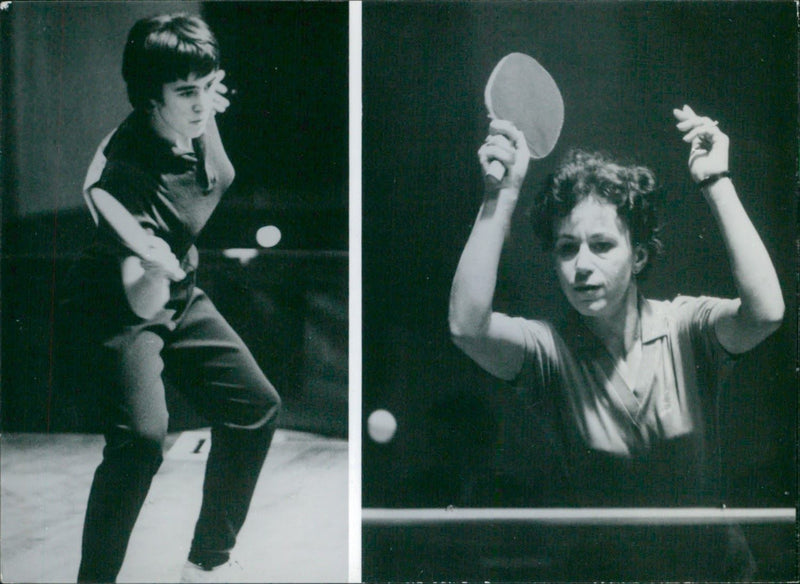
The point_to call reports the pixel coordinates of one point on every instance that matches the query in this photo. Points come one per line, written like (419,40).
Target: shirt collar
(153,143)
(654,323)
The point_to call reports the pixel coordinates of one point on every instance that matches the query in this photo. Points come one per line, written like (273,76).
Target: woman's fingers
(501,144)
(502,127)
(695,126)
(497,149)
(707,129)
(686,117)
(696,153)
(695,122)
(513,135)
(499,141)
(507,129)
(489,152)
(709,144)
(686,125)
(507,145)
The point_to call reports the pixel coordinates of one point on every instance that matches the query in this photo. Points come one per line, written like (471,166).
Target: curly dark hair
(632,189)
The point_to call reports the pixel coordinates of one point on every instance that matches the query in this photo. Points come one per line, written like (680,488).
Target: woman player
(625,377)
(166,169)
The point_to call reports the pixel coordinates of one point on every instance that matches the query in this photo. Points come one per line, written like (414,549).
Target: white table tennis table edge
(578,516)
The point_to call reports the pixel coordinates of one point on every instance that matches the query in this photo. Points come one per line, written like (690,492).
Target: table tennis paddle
(146,296)
(521,91)
(133,236)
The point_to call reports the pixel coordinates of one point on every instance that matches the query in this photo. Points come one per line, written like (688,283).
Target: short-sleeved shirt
(651,433)
(170,193)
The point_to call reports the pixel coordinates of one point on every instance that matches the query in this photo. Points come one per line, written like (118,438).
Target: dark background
(286,134)
(463,438)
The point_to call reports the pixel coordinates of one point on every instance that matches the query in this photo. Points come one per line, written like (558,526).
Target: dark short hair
(162,49)
(581,174)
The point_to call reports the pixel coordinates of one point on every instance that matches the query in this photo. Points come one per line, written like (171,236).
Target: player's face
(185,107)
(594,259)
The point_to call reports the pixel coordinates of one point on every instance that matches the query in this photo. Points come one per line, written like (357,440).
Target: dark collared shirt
(170,193)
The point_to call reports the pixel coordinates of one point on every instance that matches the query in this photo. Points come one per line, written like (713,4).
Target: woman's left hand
(219,101)
(709,153)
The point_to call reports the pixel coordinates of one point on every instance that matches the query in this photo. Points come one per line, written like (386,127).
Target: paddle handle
(496,172)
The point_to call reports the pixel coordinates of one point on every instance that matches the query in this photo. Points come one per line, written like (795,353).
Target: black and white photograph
(175,292)
(399,291)
(579,291)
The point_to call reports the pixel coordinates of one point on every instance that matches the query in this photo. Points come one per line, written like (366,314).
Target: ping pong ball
(381,426)
(268,236)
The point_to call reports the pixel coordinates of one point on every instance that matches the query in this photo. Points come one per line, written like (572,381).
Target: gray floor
(296,530)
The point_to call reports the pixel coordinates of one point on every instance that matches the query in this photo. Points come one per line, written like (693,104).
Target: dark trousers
(192,345)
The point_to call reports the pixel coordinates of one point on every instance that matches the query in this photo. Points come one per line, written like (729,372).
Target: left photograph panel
(174,292)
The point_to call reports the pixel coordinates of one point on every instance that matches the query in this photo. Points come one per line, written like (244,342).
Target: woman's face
(185,107)
(594,259)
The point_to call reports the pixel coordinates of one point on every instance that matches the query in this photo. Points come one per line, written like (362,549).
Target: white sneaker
(228,573)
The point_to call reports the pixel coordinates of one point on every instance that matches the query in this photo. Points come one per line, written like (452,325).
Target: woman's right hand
(506,145)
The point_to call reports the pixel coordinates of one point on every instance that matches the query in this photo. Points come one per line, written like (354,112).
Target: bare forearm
(760,308)
(476,276)
(753,272)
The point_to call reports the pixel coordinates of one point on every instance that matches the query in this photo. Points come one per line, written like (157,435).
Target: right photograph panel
(579,291)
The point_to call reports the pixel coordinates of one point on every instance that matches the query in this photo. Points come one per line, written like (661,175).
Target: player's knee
(152,439)
(262,409)
(150,434)
(142,443)
(269,406)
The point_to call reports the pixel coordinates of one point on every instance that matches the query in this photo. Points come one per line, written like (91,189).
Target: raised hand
(219,101)
(709,145)
(507,145)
